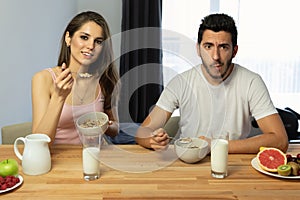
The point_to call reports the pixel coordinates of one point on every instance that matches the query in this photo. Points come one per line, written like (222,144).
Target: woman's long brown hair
(109,80)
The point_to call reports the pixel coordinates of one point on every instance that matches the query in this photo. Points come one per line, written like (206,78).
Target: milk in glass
(90,156)
(219,156)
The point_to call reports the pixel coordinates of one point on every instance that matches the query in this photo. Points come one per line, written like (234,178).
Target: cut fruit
(270,159)
(261,148)
(295,168)
(284,170)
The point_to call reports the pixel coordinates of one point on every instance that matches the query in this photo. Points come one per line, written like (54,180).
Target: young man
(216,96)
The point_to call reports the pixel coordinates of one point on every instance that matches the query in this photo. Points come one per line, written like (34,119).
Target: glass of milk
(91,156)
(219,155)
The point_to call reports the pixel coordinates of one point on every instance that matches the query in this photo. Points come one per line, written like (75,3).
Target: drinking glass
(91,156)
(219,155)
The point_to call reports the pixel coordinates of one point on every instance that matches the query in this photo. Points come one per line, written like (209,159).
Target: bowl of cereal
(191,150)
(92,123)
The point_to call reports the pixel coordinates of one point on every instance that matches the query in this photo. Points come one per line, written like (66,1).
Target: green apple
(9,167)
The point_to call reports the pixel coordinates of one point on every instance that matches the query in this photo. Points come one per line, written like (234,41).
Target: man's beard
(220,76)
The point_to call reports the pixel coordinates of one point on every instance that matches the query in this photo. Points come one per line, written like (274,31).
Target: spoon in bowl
(186,140)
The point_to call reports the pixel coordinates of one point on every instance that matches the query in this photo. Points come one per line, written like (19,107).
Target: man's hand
(159,139)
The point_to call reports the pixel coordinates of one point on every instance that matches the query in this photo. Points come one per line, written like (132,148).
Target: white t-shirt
(206,109)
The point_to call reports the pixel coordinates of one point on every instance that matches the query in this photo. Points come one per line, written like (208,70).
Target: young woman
(85,80)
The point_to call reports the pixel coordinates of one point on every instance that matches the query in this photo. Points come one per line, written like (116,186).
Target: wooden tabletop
(132,172)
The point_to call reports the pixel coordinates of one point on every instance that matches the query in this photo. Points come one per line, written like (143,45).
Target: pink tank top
(66,132)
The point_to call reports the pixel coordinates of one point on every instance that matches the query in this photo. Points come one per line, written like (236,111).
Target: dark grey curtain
(141,59)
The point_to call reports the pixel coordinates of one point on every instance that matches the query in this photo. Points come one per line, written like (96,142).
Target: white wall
(111,10)
(29,36)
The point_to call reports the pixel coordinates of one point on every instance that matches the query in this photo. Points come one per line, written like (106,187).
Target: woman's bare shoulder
(43,76)
(42,82)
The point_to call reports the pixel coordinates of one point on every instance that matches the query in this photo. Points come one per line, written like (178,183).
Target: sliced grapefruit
(270,159)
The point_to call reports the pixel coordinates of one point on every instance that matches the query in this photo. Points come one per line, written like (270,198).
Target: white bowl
(92,117)
(193,151)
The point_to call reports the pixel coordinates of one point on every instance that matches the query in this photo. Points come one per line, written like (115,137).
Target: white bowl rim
(193,138)
(84,115)
(88,129)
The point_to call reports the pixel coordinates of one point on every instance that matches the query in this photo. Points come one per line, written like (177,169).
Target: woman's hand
(159,140)
(64,82)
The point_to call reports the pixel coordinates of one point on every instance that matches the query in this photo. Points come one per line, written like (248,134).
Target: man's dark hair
(218,22)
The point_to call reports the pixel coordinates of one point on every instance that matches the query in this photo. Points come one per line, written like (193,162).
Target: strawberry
(3,186)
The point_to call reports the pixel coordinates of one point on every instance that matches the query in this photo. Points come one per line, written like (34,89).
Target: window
(268,39)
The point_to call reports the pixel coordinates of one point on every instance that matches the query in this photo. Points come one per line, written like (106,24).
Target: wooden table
(169,180)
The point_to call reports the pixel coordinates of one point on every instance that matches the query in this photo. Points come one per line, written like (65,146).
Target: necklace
(82,89)
(81,98)
(77,91)
(83,75)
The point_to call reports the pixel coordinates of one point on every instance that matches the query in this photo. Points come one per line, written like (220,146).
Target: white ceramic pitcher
(36,158)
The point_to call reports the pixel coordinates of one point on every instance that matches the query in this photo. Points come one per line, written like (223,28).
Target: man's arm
(273,135)
(151,134)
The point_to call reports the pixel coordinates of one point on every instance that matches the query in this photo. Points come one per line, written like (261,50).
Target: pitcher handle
(16,150)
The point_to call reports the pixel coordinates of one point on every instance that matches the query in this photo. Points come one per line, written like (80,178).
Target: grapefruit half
(270,158)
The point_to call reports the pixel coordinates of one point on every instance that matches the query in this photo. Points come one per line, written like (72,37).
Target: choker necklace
(83,75)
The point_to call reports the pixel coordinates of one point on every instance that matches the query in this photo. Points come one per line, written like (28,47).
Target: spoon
(154,135)
(186,140)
